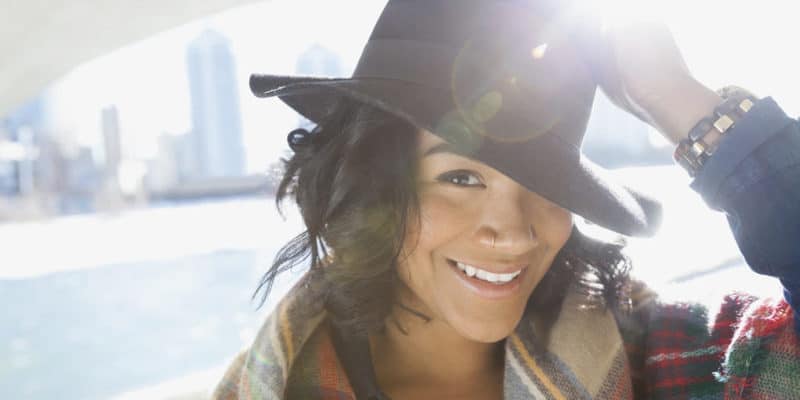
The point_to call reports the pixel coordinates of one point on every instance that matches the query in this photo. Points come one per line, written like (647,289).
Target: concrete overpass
(42,40)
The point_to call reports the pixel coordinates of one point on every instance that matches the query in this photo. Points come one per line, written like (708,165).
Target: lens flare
(538,52)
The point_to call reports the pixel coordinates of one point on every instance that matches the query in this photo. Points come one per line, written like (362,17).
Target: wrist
(685,105)
(702,140)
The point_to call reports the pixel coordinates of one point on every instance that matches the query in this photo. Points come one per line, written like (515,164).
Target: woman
(438,190)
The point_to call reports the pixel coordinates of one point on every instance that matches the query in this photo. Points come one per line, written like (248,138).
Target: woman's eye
(461,178)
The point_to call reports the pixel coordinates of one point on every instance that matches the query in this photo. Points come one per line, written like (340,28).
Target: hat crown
(452,22)
(500,61)
(503,80)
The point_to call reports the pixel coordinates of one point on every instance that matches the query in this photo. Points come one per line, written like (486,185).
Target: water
(85,331)
(91,333)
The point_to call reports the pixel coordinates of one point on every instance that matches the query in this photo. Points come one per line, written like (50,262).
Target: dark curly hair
(353,178)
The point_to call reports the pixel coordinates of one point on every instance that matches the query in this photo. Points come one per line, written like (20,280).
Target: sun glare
(616,13)
(539,51)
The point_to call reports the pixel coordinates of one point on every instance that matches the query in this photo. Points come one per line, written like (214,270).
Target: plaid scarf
(658,351)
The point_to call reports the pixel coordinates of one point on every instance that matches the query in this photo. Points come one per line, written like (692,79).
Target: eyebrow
(444,147)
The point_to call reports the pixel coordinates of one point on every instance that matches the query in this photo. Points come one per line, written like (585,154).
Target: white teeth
(480,274)
(487,276)
(510,276)
(470,270)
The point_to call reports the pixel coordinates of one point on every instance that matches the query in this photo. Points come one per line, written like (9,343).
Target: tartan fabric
(658,351)
(766,364)
(683,353)
(749,351)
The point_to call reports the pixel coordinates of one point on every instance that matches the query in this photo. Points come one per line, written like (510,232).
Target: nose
(506,224)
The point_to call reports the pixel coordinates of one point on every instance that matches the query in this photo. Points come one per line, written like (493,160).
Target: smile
(491,277)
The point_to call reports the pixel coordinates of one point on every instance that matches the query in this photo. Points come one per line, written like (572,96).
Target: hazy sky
(724,42)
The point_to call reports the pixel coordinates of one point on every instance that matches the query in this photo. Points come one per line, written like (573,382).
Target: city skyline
(62,176)
(153,97)
(68,177)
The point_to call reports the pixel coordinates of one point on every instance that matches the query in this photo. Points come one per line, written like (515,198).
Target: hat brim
(554,169)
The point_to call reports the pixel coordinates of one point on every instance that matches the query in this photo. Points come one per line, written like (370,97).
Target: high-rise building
(112,146)
(216,138)
(319,61)
(23,128)
(81,181)
(109,196)
(9,184)
(163,171)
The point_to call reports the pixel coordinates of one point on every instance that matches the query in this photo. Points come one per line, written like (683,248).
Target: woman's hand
(640,68)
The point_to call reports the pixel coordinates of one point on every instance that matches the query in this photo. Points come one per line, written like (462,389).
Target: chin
(487,331)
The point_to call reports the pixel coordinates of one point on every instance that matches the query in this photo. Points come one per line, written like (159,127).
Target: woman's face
(476,226)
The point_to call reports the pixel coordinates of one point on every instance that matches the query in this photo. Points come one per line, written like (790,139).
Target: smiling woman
(438,189)
(365,178)
(429,249)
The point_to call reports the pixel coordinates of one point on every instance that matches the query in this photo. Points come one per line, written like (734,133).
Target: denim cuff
(764,120)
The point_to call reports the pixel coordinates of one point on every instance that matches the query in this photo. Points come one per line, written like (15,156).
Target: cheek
(561,227)
(441,220)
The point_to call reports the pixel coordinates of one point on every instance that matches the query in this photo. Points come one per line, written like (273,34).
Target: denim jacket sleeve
(754,177)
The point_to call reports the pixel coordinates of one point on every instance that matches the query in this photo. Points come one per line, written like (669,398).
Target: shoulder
(318,370)
(679,347)
(764,351)
(262,371)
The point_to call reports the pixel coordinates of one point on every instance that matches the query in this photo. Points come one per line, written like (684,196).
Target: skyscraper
(317,60)
(112,154)
(25,126)
(216,140)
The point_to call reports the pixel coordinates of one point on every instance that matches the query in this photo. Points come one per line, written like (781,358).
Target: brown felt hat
(506,81)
